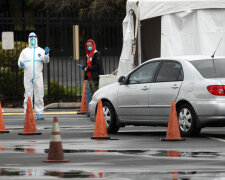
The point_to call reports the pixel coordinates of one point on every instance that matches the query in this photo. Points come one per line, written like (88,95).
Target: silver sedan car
(144,96)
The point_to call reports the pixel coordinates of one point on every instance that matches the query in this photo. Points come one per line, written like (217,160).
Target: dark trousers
(93,86)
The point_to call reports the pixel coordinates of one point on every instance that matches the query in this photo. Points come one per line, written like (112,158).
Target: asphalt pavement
(133,153)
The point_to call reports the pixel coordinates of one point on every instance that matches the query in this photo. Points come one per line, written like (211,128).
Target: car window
(170,71)
(210,68)
(144,74)
(181,75)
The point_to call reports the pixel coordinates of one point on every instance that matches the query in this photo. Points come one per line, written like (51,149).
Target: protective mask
(89,48)
(32,42)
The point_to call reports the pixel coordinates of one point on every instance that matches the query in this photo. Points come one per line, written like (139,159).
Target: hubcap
(185,119)
(107,115)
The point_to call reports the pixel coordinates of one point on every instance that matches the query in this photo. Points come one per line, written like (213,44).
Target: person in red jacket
(93,67)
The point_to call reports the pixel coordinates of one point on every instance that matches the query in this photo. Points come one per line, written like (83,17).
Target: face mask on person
(89,48)
(32,42)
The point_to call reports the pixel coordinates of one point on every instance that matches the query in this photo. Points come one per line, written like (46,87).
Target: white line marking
(222,140)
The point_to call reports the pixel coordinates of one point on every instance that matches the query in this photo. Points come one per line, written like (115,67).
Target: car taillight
(217,90)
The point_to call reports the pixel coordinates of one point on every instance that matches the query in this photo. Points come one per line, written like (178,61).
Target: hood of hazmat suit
(32,36)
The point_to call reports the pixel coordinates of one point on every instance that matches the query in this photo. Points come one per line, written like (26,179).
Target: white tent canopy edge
(167,9)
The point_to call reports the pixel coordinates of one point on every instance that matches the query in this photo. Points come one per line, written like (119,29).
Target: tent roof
(154,8)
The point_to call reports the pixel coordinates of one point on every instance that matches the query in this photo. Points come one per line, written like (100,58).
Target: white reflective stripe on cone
(55,138)
(56,127)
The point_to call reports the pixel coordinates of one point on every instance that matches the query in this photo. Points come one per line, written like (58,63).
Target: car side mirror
(122,80)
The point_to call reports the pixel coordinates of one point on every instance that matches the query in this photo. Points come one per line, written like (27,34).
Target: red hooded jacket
(89,57)
(94,66)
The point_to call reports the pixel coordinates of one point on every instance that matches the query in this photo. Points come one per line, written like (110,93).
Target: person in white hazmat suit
(32,59)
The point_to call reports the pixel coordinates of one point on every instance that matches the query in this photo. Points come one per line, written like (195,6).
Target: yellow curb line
(47,113)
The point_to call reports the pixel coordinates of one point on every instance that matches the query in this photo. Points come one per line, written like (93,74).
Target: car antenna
(216,48)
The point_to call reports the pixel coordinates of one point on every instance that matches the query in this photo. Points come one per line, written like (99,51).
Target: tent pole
(139,44)
(134,41)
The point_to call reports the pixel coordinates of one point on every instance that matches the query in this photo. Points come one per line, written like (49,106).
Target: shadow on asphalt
(143,133)
(215,135)
(163,133)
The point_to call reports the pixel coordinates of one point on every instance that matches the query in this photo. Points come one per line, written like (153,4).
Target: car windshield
(210,68)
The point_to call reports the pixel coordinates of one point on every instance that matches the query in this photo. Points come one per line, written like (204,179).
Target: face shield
(32,39)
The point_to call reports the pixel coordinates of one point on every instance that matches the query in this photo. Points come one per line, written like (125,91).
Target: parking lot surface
(132,153)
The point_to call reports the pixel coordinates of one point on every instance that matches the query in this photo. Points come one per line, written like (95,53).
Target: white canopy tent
(171,28)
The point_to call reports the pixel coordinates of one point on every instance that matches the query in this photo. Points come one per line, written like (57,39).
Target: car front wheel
(110,118)
(187,120)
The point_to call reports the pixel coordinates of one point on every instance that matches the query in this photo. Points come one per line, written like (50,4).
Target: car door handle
(144,89)
(174,87)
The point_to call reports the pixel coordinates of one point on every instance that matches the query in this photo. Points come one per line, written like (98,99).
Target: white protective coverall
(33,58)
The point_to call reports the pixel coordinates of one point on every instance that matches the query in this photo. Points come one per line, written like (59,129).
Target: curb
(12,110)
(63,105)
(49,106)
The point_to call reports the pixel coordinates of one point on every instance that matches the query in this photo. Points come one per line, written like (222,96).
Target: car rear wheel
(110,118)
(187,120)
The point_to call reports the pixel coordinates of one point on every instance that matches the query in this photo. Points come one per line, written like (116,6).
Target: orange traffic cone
(173,153)
(55,152)
(100,150)
(83,108)
(173,131)
(100,127)
(2,124)
(1,148)
(101,174)
(29,124)
(30,150)
(174,175)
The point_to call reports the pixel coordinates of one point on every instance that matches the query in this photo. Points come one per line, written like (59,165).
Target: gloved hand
(85,69)
(80,66)
(21,64)
(47,50)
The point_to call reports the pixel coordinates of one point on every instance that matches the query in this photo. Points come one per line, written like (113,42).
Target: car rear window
(210,68)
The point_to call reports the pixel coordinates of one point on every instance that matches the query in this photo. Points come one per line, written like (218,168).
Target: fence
(63,80)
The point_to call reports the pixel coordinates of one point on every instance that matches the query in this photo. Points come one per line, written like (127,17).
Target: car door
(133,96)
(165,89)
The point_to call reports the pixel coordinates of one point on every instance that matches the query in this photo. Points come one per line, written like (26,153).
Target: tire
(187,120)
(110,118)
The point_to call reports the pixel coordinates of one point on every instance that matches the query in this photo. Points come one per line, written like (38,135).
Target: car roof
(189,58)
